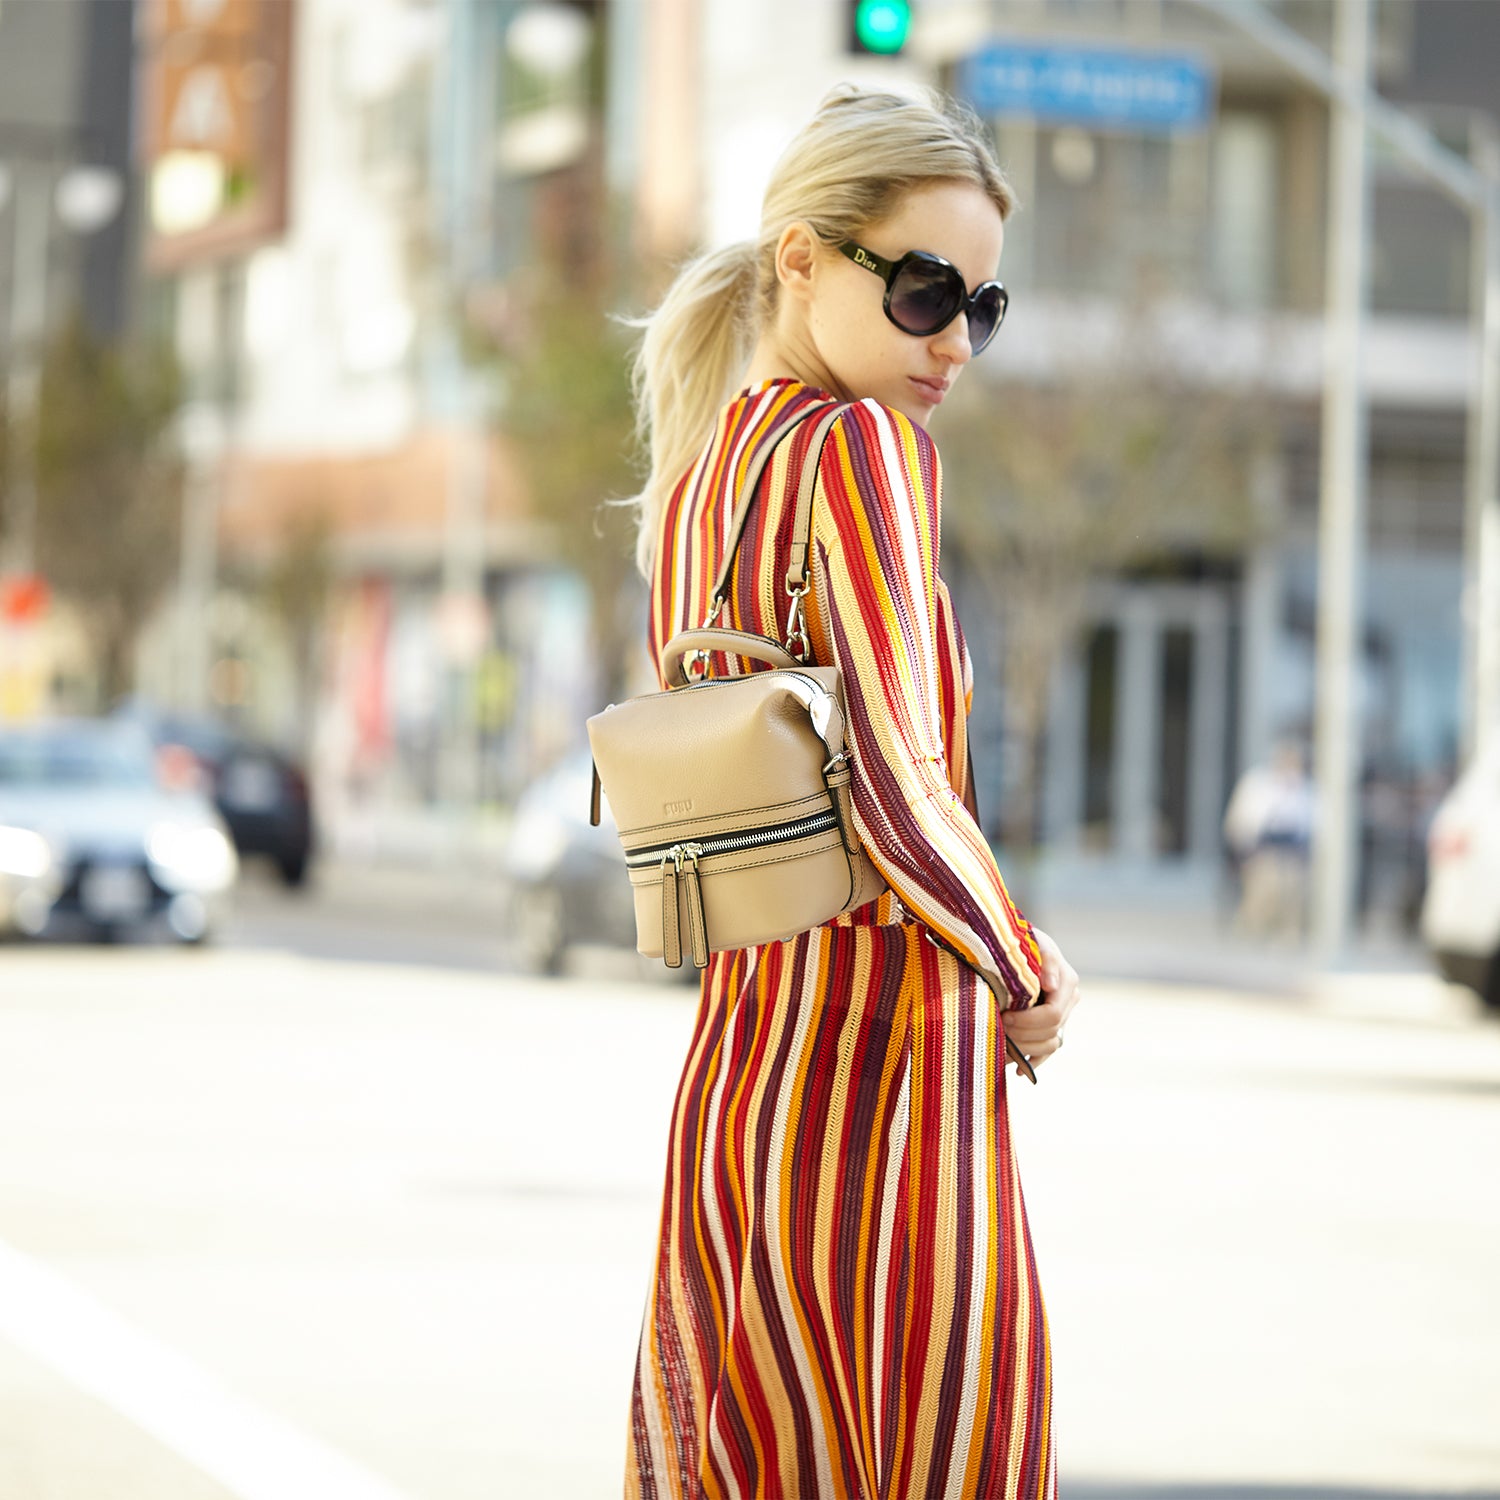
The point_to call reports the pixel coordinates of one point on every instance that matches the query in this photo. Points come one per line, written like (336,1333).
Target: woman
(845,1301)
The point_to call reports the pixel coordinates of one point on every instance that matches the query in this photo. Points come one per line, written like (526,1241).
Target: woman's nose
(952,342)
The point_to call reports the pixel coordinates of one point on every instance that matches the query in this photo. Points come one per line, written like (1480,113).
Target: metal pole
(1481,624)
(1341,514)
(30,222)
(1405,135)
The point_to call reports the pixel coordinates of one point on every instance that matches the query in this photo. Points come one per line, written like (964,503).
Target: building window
(1114,214)
(1245,218)
(1101,659)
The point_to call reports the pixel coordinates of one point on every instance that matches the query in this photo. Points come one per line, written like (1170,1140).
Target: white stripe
(896,1155)
(716,1236)
(1021,1333)
(729,493)
(250,1452)
(685,521)
(656,1439)
(720,1448)
(976,1275)
(777,1168)
(689,513)
(712,1154)
(911,551)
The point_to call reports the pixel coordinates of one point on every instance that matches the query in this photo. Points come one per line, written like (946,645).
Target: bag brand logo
(673,808)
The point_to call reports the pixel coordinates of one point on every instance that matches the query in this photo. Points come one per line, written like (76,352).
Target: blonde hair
(847,169)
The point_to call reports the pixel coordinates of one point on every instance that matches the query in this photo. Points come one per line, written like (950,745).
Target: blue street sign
(1089,85)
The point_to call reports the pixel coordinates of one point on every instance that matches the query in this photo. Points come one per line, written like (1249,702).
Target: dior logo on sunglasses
(924,293)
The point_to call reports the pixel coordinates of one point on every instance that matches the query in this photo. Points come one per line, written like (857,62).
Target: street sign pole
(1481,624)
(1342,511)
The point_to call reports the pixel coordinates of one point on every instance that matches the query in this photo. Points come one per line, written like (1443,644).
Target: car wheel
(1490,992)
(539,928)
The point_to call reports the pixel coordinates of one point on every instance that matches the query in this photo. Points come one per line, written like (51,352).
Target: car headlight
(191,857)
(24,853)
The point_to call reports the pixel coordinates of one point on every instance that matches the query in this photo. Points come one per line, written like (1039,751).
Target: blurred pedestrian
(1268,826)
(845,1300)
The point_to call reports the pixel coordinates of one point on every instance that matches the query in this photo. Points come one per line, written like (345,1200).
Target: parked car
(567,878)
(126,853)
(1461,912)
(261,794)
(30,879)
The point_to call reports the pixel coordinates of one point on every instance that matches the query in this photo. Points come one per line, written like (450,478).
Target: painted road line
(252,1453)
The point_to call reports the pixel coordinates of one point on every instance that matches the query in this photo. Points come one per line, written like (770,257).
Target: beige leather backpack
(731,794)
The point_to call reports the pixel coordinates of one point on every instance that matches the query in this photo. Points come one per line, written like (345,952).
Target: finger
(1068,996)
(1053,963)
(1049,1003)
(1038,1053)
(1033,1026)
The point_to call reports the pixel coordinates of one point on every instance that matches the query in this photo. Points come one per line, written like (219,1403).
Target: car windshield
(76,758)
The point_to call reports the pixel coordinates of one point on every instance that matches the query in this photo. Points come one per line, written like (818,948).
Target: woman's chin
(919,412)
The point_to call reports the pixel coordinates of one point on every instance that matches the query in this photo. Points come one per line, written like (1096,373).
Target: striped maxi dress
(845,1303)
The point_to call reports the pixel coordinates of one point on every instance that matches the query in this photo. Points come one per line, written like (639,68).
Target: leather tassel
(594,796)
(1019,1059)
(671,928)
(697,922)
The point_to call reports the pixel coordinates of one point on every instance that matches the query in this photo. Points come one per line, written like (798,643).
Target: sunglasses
(924,293)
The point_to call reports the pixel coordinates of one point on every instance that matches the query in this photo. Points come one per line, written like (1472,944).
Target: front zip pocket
(679,863)
(735,843)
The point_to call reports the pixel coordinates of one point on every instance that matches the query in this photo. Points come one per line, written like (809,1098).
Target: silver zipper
(734,843)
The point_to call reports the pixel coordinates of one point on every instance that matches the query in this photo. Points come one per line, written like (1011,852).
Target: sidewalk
(1383,974)
(453,861)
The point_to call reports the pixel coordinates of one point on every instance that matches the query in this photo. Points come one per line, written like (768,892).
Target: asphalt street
(344,1210)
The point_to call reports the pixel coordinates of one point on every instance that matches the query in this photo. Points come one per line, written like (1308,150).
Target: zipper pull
(697,922)
(671,929)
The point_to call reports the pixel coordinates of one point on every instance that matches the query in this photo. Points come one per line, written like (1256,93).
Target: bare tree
(1051,488)
(568,410)
(109,488)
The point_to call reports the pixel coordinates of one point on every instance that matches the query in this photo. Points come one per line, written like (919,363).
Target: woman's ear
(796,259)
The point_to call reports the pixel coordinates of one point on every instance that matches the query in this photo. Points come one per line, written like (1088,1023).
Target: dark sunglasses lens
(987,316)
(924,296)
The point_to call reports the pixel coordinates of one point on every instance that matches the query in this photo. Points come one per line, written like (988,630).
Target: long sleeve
(882,611)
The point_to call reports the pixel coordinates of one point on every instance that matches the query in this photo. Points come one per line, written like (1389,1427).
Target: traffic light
(880,27)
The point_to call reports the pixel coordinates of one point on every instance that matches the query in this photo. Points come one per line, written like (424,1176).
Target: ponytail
(697,343)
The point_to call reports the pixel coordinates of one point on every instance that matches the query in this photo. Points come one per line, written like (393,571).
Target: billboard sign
(217,94)
(1114,88)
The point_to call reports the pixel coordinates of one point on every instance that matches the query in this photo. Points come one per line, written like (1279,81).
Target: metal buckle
(695,663)
(796,626)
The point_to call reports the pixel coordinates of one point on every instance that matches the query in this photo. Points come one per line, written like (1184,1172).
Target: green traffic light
(883,25)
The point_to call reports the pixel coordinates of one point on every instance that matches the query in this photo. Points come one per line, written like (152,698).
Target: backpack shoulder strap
(745,500)
(796,573)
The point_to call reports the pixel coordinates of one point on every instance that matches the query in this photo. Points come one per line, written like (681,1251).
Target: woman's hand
(1038,1030)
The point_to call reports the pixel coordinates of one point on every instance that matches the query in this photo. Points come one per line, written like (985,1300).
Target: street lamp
(87,198)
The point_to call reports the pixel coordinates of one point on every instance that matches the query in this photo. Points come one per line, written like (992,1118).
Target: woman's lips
(931,390)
